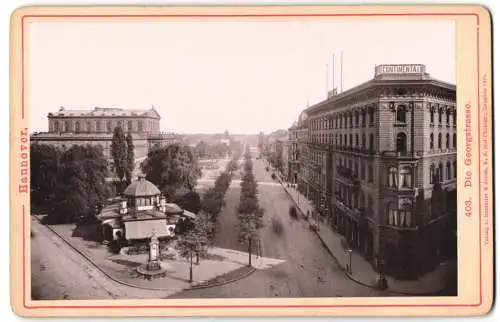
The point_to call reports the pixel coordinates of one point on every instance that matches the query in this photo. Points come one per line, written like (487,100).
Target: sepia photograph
(240,158)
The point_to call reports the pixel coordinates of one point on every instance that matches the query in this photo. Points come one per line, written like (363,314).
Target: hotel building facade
(69,127)
(379,161)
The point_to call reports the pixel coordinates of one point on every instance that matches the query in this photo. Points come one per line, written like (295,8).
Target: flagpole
(333,70)
(341,69)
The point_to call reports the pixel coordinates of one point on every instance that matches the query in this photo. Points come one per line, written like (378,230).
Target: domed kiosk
(139,213)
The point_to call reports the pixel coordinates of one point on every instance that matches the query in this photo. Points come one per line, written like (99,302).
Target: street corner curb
(389,291)
(329,251)
(240,277)
(352,278)
(97,266)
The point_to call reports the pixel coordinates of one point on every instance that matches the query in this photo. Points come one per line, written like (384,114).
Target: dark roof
(143,215)
(141,188)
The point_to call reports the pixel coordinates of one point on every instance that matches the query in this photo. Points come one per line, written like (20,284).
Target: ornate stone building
(382,157)
(70,126)
(293,154)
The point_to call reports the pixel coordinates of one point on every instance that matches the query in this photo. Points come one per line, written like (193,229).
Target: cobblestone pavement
(308,269)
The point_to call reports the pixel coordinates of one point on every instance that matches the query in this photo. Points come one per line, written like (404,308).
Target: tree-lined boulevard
(243,208)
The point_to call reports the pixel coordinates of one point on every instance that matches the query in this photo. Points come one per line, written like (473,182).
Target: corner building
(382,157)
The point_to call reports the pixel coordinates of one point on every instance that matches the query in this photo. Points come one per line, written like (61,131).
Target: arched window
(363,118)
(448,170)
(447,140)
(357,140)
(431,112)
(431,142)
(372,112)
(405,177)
(98,126)
(401,114)
(371,142)
(405,213)
(56,126)
(345,140)
(357,118)
(454,140)
(432,172)
(363,141)
(439,141)
(392,213)
(447,117)
(340,140)
(440,172)
(66,126)
(440,115)
(455,169)
(77,127)
(401,142)
(350,140)
(392,177)
(362,171)
(108,127)
(454,118)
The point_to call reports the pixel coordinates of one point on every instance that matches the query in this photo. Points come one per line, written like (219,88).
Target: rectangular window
(370,173)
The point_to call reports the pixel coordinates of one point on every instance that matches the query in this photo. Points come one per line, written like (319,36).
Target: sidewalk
(362,271)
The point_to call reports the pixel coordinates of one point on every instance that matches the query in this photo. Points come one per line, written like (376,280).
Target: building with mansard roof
(380,164)
(68,127)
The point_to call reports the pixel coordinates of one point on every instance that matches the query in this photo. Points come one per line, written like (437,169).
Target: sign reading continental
(400,69)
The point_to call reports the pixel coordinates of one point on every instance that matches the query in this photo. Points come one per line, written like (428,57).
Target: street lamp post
(381,280)
(349,260)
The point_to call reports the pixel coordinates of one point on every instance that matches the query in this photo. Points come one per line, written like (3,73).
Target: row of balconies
(349,174)
(351,126)
(441,125)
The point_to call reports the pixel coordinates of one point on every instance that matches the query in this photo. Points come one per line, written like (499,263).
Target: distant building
(68,127)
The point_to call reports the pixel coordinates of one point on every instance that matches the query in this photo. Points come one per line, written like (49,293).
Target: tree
(119,152)
(81,187)
(44,166)
(249,232)
(130,158)
(171,168)
(195,242)
(250,213)
(190,201)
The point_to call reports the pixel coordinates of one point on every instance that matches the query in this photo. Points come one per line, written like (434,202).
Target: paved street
(60,273)
(308,270)
(57,272)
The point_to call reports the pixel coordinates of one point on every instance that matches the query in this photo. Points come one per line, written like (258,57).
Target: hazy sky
(245,77)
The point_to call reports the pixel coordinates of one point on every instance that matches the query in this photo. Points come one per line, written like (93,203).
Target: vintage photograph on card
(251,161)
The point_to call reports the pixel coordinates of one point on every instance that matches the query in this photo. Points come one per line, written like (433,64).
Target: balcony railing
(355,150)
(348,174)
(401,154)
